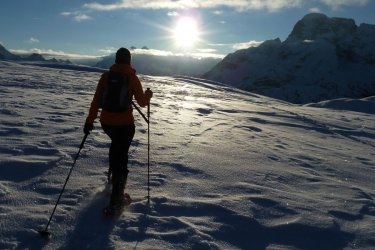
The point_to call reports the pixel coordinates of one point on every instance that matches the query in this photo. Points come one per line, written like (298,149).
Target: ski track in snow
(229,169)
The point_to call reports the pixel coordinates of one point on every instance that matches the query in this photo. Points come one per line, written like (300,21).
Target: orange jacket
(136,90)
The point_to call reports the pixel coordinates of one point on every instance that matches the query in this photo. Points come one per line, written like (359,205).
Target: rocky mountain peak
(315,26)
(5,54)
(323,58)
(35,57)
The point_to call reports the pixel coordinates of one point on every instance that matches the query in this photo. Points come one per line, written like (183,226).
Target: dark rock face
(5,54)
(35,57)
(314,26)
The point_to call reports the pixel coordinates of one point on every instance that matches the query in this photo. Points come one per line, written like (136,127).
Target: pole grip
(148,109)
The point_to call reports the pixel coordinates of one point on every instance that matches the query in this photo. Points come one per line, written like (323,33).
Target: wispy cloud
(32,40)
(246,44)
(209,52)
(338,4)
(240,5)
(218,12)
(81,17)
(198,53)
(315,10)
(48,53)
(206,50)
(77,15)
(207,55)
(172,13)
(108,50)
(154,52)
(220,44)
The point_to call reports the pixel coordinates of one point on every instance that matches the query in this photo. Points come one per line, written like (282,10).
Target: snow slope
(364,105)
(229,169)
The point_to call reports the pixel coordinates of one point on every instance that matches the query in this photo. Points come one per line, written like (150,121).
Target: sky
(201,28)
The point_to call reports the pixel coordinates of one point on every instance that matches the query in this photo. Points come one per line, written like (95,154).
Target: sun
(186,32)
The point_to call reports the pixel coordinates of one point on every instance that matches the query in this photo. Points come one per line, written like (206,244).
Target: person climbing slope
(114,94)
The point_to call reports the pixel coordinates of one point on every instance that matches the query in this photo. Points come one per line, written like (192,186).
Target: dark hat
(123,56)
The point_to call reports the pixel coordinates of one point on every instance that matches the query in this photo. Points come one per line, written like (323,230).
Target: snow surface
(229,169)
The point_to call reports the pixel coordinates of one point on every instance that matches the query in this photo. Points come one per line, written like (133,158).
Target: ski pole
(147,119)
(148,153)
(44,233)
(140,112)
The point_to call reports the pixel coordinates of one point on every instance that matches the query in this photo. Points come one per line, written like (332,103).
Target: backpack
(116,97)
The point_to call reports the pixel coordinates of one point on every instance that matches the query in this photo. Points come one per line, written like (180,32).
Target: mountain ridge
(165,65)
(323,58)
(6,55)
(146,64)
(33,57)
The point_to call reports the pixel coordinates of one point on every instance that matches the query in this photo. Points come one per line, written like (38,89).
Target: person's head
(123,56)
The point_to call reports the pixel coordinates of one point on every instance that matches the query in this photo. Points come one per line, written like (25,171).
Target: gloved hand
(87,128)
(149,93)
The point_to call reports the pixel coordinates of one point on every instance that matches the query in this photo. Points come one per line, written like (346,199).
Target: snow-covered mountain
(323,58)
(35,57)
(229,169)
(6,55)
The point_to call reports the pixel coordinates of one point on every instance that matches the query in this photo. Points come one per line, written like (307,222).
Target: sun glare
(186,32)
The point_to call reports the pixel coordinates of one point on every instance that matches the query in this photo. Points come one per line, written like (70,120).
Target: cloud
(206,50)
(218,12)
(142,4)
(77,16)
(240,5)
(315,10)
(246,44)
(219,44)
(203,53)
(32,40)
(48,53)
(52,53)
(81,17)
(108,50)
(338,4)
(154,52)
(172,13)
(207,55)
(199,53)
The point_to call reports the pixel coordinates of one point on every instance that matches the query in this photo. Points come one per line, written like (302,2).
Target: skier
(117,119)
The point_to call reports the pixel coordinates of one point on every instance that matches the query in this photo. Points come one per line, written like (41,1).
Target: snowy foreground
(229,169)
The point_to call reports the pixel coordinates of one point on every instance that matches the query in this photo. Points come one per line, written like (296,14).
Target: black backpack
(116,97)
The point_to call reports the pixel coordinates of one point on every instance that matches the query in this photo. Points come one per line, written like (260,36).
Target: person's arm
(93,113)
(142,98)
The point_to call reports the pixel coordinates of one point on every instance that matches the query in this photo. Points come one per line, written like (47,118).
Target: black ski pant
(121,138)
